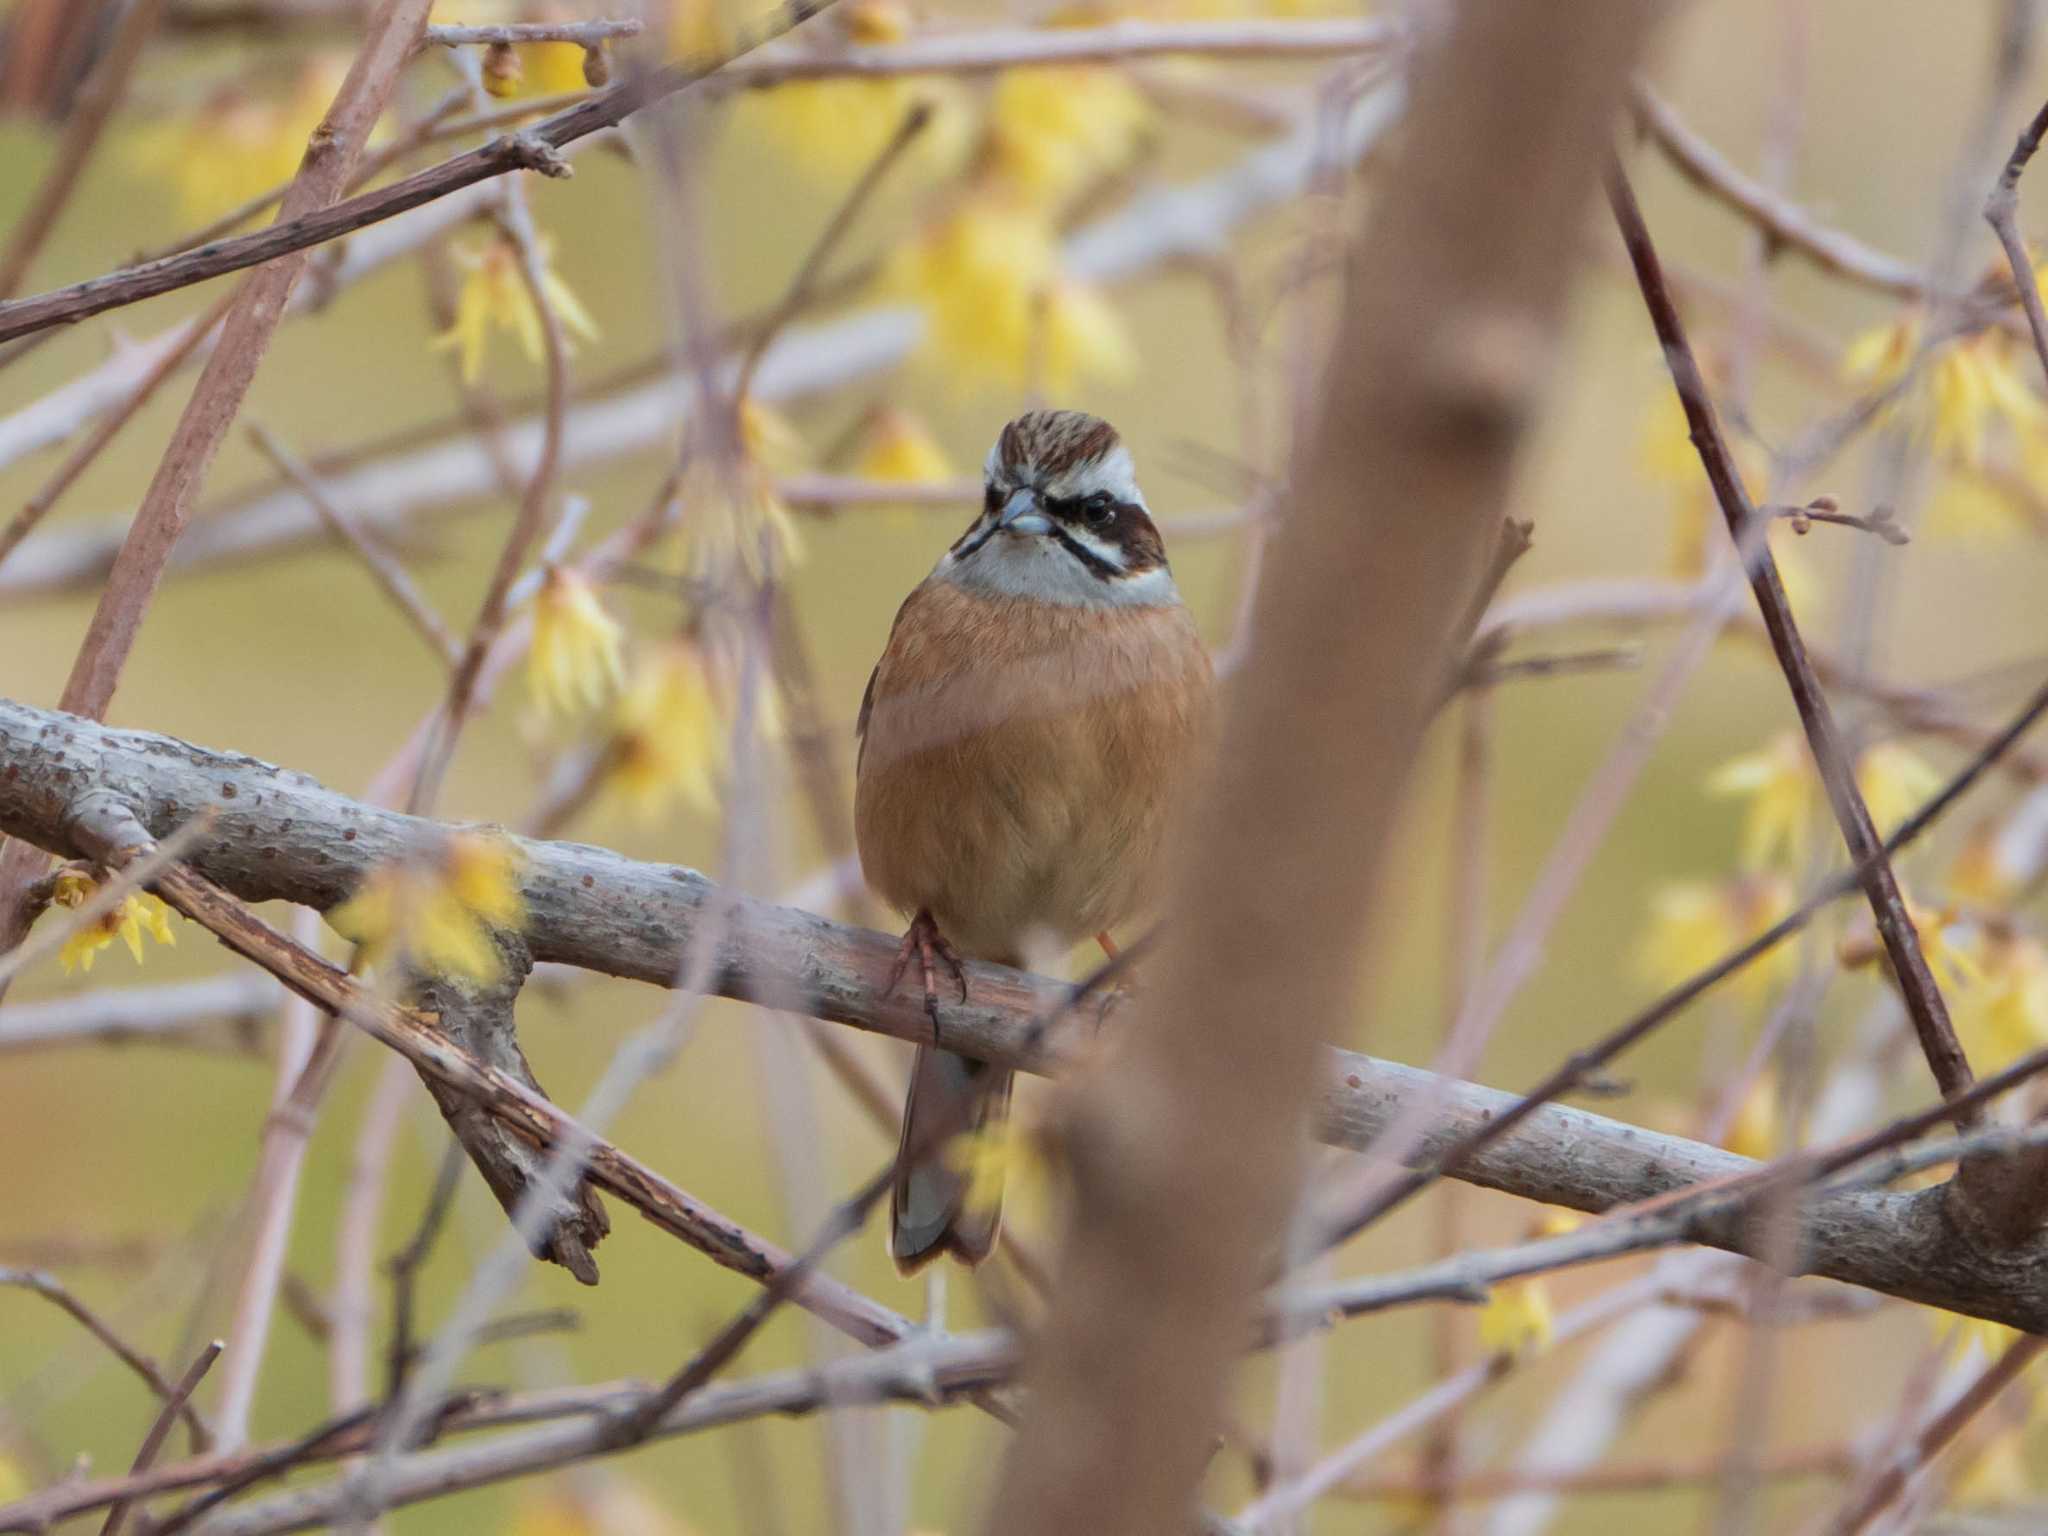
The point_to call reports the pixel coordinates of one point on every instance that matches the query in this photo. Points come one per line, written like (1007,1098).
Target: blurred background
(127,1165)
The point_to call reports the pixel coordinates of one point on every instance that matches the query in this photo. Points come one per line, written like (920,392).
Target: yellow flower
(1694,923)
(437,912)
(573,664)
(1969,387)
(1969,508)
(995,302)
(1666,457)
(137,914)
(900,449)
(1964,1334)
(1516,1322)
(834,129)
(1556,1222)
(1754,1131)
(996,1156)
(1996,1475)
(1779,783)
(670,743)
(697,31)
(1994,866)
(494,296)
(769,438)
(1053,131)
(235,147)
(2001,1006)
(869,22)
(1896,781)
(736,520)
(1944,945)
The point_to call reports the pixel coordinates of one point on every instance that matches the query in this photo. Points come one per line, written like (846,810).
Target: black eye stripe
(1085,555)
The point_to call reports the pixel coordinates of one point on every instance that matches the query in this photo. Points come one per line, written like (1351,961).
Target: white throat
(1031,566)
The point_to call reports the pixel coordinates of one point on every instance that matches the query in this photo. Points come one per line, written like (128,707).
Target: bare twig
(590,908)
(1783,221)
(104,431)
(160,1429)
(82,129)
(1916,982)
(1869,1501)
(2001,211)
(585,34)
(331,155)
(53,1290)
(384,567)
(804,284)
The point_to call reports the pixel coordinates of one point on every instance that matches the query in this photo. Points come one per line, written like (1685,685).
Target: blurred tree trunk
(1187,1159)
(48,49)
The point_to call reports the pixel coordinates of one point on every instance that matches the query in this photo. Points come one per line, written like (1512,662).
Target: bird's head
(1062,519)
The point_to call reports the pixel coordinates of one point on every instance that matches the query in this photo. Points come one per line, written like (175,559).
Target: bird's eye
(1099,509)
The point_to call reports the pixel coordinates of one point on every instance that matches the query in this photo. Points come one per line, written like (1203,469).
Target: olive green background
(299,661)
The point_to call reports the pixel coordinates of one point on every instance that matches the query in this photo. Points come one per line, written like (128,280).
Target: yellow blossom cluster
(897,447)
(733,518)
(574,661)
(135,915)
(668,742)
(437,911)
(243,141)
(535,69)
(1974,400)
(1694,923)
(495,296)
(999,308)
(1666,457)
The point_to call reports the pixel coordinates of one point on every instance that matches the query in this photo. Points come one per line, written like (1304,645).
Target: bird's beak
(1021,514)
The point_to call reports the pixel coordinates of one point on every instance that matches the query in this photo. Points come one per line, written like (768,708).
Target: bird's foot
(923,940)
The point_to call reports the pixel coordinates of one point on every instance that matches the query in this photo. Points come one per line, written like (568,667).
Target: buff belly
(1017,765)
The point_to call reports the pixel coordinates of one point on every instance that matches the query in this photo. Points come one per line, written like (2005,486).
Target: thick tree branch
(282,836)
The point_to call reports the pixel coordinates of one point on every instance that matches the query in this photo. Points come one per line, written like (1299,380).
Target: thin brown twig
(527,528)
(802,287)
(300,228)
(2001,211)
(109,426)
(82,129)
(246,332)
(1917,986)
(160,1429)
(1583,1063)
(51,1289)
(1782,221)
(1869,1501)
(1614,1477)
(384,567)
(585,34)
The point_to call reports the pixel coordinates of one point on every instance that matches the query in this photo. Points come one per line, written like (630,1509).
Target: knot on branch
(1997,1202)
(530,152)
(479,1017)
(1480,373)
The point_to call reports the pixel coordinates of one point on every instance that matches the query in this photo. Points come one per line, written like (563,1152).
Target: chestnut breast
(1018,760)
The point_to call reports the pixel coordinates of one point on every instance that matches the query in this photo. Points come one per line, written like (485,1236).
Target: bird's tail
(929,1209)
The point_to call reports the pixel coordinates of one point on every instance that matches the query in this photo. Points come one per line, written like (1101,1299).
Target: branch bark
(331,155)
(281,836)
(1454,304)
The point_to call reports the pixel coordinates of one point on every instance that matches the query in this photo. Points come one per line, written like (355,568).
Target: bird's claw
(923,939)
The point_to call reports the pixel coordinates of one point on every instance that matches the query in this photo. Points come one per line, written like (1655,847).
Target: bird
(1040,706)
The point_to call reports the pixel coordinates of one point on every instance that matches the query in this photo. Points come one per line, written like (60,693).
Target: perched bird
(1039,704)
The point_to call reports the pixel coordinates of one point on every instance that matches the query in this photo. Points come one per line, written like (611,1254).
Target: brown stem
(1945,1058)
